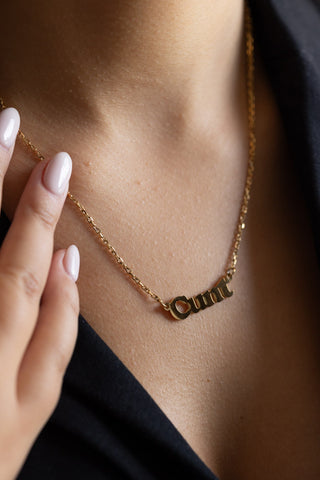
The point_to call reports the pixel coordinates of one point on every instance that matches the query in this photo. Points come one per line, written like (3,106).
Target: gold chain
(180,307)
(251,101)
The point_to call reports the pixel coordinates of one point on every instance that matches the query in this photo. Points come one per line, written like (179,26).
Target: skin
(36,339)
(150,93)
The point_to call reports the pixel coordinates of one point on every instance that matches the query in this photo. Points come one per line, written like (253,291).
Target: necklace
(181,307)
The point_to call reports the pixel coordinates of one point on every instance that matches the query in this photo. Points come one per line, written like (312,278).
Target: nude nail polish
(9,126)
(71,262)
(57,173)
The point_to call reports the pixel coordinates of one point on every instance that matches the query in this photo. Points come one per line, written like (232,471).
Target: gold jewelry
(181,307)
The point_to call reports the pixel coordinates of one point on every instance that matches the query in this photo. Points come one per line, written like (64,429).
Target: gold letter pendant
(204,300)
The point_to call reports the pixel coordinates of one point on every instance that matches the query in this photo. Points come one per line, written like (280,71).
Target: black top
(106,425)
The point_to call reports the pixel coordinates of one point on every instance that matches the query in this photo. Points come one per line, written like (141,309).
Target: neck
(94,60)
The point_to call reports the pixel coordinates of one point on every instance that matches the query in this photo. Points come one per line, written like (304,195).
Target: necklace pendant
(204,300)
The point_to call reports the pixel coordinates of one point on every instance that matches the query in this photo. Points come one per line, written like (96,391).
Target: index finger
(9,126)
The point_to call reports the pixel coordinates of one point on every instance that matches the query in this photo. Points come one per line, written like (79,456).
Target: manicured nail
(57,173)
(9,126)
(71,262)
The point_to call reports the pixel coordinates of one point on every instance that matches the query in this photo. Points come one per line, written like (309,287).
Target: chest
(239,380)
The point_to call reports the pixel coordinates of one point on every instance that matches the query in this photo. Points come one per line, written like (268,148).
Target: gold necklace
(181,307)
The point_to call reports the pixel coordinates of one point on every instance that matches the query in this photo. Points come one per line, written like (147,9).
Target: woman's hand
(39,304)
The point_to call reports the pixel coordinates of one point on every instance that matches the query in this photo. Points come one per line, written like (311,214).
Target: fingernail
(71,262)
(57,173)
(9,126)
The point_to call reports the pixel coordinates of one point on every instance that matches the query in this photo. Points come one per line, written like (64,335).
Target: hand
(39,304)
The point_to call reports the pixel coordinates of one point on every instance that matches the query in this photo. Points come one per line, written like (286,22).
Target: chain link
(251,105)
(232,262)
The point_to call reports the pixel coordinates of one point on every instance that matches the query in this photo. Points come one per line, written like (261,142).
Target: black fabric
(288,34)
(106,426)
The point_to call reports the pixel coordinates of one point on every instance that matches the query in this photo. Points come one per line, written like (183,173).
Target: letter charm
(220,290)
(204,300)
(177,314)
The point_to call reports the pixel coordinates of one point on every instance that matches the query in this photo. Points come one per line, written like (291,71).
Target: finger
(26,253)
(51,346)
(9,126)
